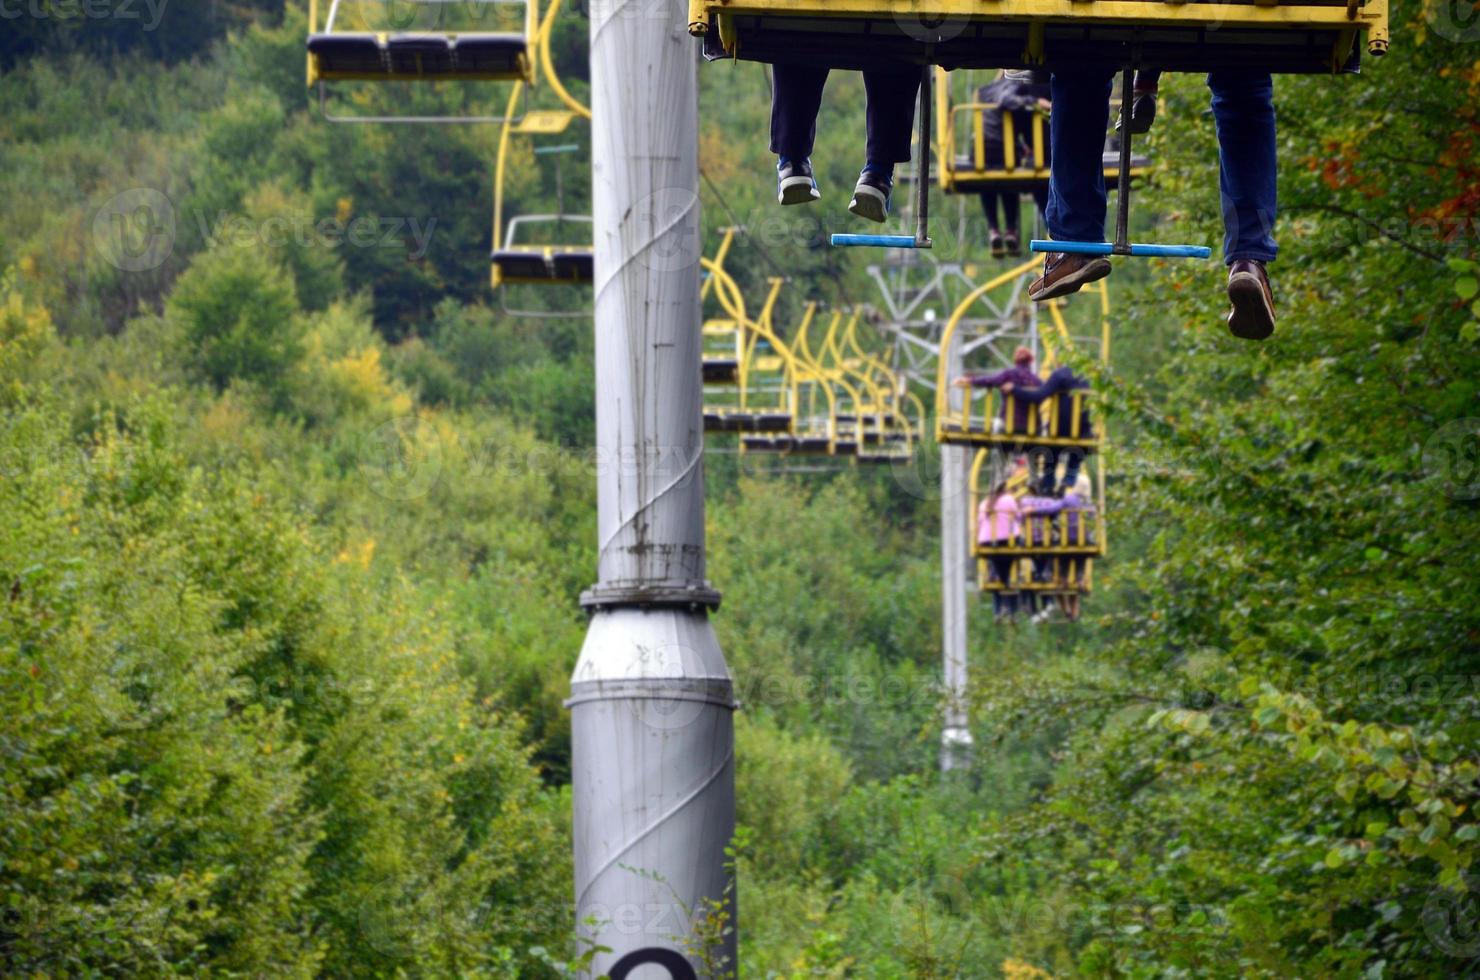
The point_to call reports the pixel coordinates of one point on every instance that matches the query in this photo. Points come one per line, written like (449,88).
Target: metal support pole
(1122,244)
(652,703)
(922,172)
(955,747)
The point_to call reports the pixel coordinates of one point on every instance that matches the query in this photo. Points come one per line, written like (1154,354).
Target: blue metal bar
(880,241)
(1105,248)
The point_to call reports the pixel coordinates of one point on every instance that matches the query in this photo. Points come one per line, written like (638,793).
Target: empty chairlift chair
(441,52)
(555,261)
(816,430)
(762,396)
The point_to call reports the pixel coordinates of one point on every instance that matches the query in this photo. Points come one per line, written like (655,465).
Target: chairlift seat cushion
(574,266)
(542,265)
(409,55)
(721,370)
(491,54)
(354,54)
(716,420)
(516,265)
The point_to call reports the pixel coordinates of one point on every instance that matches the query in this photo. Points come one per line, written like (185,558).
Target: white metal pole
(955,748)
(652,736)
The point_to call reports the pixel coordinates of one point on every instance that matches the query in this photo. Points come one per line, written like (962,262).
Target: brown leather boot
(1064,273)
(1252,316)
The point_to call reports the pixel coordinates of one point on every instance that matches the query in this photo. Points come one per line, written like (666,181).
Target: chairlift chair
(377,51)
(1285,36)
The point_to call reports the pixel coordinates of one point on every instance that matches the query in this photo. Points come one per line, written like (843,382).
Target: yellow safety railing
(972,420)
(755,331)
(1063,544)
(1010,167)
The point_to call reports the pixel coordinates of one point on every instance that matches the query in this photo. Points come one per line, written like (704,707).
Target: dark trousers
(1003,603)
(1043,467)
(797,95)
(1243,108)
(1009,203)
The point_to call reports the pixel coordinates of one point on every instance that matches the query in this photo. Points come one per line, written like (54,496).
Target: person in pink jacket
(999,522)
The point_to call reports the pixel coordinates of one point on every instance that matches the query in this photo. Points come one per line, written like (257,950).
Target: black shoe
(1013,246)
(871,196)
(999,247)
(795,183)
(1143,113)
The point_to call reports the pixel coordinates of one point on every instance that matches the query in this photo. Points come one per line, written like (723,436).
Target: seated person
(1019,96)
(1038,510)
(998,523)
(796,96)
(1019,376)
(1061,383)
(1078,519)
(1243,110)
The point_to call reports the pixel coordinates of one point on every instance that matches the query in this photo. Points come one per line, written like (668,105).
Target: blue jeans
(1243,107)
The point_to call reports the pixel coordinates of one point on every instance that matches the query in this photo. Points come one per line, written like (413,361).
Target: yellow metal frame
(1023,554)
(1021,579)
(1356,15)
(820,385)
(529,126)
(727,292)
(965,426)
(950,175)
(890,388)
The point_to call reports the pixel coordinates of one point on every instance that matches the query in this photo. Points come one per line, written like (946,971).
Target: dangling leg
(796,97)
(990,201)
(890,117)
(1076,188)
(1012,208)
(1243,107)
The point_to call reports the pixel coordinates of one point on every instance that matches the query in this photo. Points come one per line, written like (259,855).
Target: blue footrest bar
(878,241)
(1105,248)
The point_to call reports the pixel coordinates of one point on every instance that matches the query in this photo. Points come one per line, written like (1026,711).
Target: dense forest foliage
(297,514)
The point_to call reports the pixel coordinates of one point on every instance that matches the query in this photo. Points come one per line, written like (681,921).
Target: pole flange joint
(689,597)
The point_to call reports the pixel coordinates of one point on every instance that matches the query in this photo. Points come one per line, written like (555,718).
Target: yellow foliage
(361,554)
(1018,970)
(226,422)
(25,331)
(361,375)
